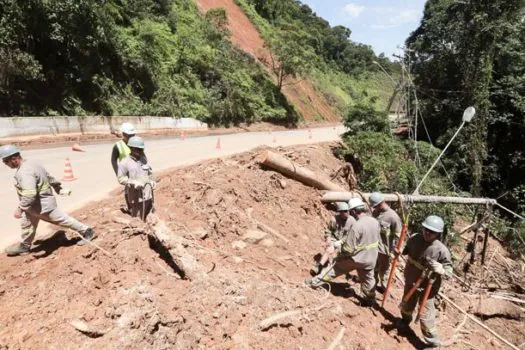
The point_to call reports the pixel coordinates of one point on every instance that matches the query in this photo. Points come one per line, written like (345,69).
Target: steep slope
(131,294)
(310,104)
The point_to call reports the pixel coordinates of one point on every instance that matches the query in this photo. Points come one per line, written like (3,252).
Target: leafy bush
(364,117)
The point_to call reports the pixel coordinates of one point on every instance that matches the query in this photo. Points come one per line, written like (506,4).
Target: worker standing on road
(334,235)
(36,200)
(137,176)
(390,232)
(121,149)
(425,254)
(359,252)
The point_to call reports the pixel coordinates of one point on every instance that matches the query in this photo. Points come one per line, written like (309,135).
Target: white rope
(510,211)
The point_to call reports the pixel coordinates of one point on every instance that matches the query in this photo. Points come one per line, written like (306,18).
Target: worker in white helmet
(425,254)
(37,202)
(390,232)
(358,252)
(137,177)
(120,151)
(334,235)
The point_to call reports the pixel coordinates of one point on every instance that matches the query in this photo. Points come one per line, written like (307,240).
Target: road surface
(95,177)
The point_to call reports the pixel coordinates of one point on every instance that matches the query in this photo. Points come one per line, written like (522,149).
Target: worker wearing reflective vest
(390,231)
(137,176)
(358,252)
(37,202)
(426,254)
(121,149)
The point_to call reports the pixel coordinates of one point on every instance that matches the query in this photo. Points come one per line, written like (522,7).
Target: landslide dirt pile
(225,270)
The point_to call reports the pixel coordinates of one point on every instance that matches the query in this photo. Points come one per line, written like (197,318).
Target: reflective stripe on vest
(416,263)
(361,248)
(33,192)
(123,150)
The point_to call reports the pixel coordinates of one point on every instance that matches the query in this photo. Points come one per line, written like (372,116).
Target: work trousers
(382,269)
(427,319)
(30,219)
(365,273)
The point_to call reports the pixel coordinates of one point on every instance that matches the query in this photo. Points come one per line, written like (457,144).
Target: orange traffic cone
(76,148)
(218,145)
(68,172)
(182,137)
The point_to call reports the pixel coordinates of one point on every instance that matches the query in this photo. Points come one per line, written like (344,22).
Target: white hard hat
(434,223)
(136,142)
(355,202)
(342,206)
(128,129)
(8,150)
(376,198)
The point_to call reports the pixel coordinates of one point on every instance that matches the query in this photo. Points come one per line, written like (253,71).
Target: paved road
(95,177)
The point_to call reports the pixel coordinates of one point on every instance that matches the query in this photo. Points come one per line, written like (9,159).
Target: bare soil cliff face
(308,102)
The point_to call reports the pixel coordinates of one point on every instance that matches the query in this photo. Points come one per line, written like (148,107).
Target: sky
(382,24)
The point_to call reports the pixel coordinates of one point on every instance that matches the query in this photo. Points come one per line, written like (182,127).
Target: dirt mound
(310,103)
(246,238)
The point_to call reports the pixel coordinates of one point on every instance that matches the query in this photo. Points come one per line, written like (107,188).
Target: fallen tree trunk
(294,171)
(333,196)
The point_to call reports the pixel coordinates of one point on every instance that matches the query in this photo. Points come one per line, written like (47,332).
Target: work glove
(436,267)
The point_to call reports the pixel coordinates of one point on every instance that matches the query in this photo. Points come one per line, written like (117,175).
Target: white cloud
(395,17)
(353,10)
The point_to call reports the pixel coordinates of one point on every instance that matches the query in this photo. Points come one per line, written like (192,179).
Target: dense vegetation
(138,57)
(154,57)
(472,53)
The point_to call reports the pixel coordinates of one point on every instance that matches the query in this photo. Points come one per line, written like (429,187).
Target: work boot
(315,270)
(18,249)
(87,236)
(368,302)
(380,289)
(402,324)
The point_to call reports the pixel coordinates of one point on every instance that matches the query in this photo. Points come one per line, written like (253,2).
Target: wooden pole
(286,167)
(333,196)
(485,245)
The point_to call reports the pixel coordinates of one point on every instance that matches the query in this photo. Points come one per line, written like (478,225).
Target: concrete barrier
(26,126)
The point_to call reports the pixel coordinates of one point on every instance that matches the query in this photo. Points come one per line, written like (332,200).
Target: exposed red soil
(309,103)
(133,299)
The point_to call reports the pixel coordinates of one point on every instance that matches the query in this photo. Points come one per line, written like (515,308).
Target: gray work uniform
(140,200)
(359,252)
(419,253)
(37,201)
(338,228)
(390,232)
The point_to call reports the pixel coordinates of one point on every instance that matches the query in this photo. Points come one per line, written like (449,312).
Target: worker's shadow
(46,246)
(347,291)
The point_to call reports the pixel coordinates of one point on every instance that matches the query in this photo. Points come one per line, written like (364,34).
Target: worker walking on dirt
(36,200)
(137,176)
(390,232)
(427,256)
(358,252)
(334,235)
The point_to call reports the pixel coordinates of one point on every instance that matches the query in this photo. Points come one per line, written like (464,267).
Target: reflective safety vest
(123,150)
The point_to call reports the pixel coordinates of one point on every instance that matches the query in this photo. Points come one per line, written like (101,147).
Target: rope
(94,244)
(510,211)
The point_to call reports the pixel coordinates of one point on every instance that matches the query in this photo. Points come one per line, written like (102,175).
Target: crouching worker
(429,258)
(358,252)
(37,201)
(136,175)
(335,234)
